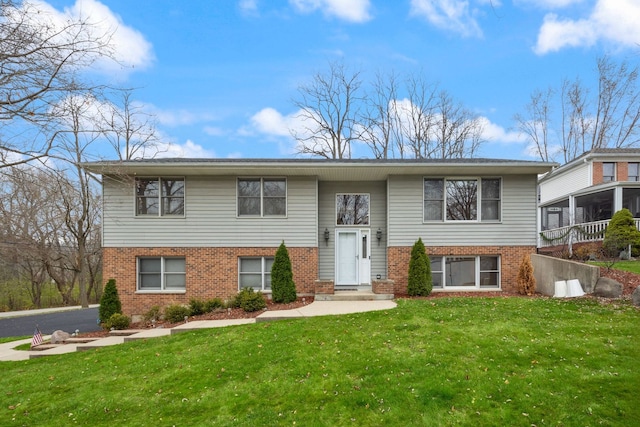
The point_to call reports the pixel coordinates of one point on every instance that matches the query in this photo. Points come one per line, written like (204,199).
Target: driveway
(68,319)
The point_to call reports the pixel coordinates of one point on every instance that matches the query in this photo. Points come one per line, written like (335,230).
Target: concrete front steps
(353,295)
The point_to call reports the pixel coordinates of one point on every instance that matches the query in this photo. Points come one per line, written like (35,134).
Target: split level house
(578,199)
(177,229)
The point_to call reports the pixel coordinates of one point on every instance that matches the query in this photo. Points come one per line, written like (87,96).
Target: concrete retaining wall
(548,269)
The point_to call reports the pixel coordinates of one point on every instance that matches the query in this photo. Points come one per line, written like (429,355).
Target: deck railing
(579,233)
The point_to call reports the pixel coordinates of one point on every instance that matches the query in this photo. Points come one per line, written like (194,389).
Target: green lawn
(439,362)
(624,265)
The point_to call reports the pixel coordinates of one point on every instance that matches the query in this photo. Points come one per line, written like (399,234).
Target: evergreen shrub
(283,289)
(109,302)
(420,281)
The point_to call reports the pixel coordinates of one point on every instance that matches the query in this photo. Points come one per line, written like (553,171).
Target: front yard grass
(624,265)
(435,362)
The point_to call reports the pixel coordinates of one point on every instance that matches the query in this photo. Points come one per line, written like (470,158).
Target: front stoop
(353,296)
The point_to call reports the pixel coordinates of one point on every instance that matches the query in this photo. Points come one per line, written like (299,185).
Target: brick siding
(510,259)
(210,273)
(597,173)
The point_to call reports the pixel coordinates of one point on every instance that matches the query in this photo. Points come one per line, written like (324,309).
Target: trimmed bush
(526,281)
(153,314)
(196,307)
(620,233)
(283,289)
(420,282)
(110,301)
(213,304)
(249,300)
(176,313)
(117,321)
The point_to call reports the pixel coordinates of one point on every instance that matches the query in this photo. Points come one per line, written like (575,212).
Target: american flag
(37,338)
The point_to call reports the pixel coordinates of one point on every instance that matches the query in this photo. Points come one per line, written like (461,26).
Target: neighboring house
(578,199)
(176,229)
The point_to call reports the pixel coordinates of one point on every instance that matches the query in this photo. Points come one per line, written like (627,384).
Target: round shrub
(249,300)
(117,321)
(176,313)
(197,307)
(153,314)
(213,304)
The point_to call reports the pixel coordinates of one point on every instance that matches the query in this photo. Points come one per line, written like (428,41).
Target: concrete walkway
(316,308)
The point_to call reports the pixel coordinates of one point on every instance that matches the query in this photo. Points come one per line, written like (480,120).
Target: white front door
(353,259)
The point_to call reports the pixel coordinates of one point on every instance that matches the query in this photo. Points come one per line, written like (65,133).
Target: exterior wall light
(379,235)
(326,236)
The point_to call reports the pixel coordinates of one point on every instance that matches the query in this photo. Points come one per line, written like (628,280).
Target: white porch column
(617,199)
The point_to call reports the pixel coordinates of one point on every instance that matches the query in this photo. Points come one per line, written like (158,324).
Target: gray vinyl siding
(210,217)
(517,228)
(327,191)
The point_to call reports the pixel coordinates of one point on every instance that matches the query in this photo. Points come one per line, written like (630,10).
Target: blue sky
(220,75)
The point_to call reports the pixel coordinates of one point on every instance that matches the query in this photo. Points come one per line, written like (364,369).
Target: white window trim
(262,215)
(159,215)
(162,289)
(263,272)
(479,219)
(477,286)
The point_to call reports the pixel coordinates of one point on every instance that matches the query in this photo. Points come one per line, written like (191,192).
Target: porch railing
(579,233)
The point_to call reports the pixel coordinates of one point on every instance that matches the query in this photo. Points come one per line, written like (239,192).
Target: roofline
(590,156)
(217,166)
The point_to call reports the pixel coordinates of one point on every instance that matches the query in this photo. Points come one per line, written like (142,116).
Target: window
(479,272)
(608,172)
(458,199)
(161,274)
(159,196)
(255,273)
(262,197)
(490,199)
(634,172)
(433,199)
(352,209)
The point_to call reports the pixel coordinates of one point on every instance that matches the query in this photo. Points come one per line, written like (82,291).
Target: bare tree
(329,108)
(457,132)
(607,118)
(40,59)
(618,105)
(76,193)
(576,123)
(417,118)
(535,124)
(380,123)
(28,224)
(130,131)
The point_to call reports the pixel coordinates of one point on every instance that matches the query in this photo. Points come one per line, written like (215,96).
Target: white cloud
(450,15)
(492,132)
(188,150)
(248,7)
(613,21)
(182,117)
(129,49)
(348,10)
(269,121)
(549,4)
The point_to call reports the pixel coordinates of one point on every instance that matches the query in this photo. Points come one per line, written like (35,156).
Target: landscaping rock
(608,288)
(635,297)
(58,337)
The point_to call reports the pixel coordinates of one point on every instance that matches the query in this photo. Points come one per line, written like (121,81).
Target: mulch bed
(628,280)
(223,314)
